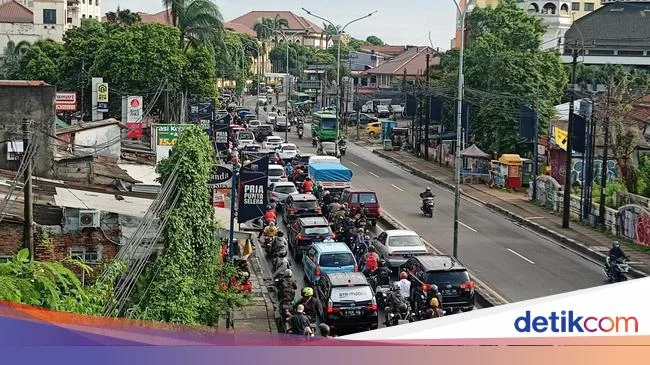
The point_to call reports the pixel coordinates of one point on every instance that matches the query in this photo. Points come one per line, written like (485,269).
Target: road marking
(534,218)
(397,187)
(522,256)
(373,174)
(353,163)
(466,226)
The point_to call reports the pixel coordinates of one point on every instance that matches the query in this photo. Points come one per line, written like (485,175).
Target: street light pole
(338,62)
(459,120)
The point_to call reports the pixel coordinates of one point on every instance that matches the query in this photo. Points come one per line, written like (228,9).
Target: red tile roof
(15,12)
(641,110)
(412,60)
(161,17)
(295,22)
(387,50)
(239,28)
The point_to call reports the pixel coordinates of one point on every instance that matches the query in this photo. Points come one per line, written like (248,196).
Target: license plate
(406,256)
(353,312)
(449,292)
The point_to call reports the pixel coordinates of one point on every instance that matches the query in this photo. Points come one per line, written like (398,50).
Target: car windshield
(447,277)
(351,294)
(276,172)
(311,204)
(252,148)
(272,115)
(264,128)
(328,146)
(328,123)
(317,230)
(273,140)
(245,135)
(254,122)
(288,189)
(336,259)
(289,148)
(367,198)
(404,241)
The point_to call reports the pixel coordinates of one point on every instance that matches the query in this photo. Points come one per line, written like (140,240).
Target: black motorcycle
(398,316)
(618,269)
(428,206)
(300,133)
(379,277)
(314,142)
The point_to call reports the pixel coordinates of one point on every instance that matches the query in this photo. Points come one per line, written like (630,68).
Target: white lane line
(473,202)
(466,226)
(353,163)
(373,174)
(531,218)
(397,187)
(522,256)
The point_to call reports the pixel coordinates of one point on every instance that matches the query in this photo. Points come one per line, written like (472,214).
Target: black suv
(262,131)
(300,205)
(346,301)
(305,231)
(452,278)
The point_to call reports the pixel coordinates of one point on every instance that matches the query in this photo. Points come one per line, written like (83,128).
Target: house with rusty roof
(409,65)
(300,29)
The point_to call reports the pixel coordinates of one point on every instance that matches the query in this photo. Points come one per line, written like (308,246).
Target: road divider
(485,296)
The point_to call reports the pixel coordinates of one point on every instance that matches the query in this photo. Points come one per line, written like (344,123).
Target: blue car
(327,257)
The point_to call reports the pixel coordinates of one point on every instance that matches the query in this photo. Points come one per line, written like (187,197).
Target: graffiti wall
(558,163)
(634,223)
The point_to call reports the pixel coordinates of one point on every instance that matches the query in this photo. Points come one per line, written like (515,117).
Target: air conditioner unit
(89,218)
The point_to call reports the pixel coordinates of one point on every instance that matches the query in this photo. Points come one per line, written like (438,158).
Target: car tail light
(299,237)
(292,211)
(318,210)
(331,309)
(467,285)
(356,269)
(378,211)
(395,254)
(425,287)
(372,307)
(317,270)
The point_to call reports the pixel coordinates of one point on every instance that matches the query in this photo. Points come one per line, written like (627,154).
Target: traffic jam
(334,269)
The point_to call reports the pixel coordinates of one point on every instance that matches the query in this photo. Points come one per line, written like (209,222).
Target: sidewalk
(582,239)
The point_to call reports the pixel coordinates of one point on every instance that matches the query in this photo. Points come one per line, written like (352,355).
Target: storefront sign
(252,190)
(66,102)
(102,97)
(221,177)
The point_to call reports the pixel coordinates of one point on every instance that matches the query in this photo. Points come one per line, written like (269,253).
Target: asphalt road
(514,261)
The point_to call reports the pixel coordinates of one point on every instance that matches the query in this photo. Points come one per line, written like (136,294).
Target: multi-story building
(33,20)
(300,30)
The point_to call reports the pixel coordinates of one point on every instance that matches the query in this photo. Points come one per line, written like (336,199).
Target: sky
(395,22)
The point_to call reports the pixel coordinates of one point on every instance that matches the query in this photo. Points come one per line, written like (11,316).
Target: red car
(354,198)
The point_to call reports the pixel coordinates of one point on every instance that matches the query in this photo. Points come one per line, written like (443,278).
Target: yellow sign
(102,92)
(560,136)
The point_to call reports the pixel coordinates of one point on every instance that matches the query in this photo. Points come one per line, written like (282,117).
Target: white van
(276,174)
(323,159)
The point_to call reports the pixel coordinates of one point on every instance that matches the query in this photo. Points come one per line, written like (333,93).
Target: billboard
(252,190)
(102,97)
(164,137)
(132,114)
(66,102)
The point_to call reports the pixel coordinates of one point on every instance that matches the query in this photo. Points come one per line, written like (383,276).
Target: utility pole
(428,110)
(358,108)
(566,206)
(28,230)
(536,147)
(166,103)
(603,172)
(82,86)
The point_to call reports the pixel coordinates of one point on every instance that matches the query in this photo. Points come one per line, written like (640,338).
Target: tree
(40,63)
(375,41)
(12,55)
(504,69)
(330,31)
(199,21)
(186,282)
(122,18)
(200,72)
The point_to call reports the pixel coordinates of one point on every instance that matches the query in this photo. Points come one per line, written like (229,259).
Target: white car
(271,143)
(276,174)
(287,151)
(245,138)
(270,117)
(383,111)
(396,246)
(253,124)
(397,109)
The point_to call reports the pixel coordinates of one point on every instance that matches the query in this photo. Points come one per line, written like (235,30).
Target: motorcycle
(618,270)
(267,244)
(428,206)
(379,277)
(402,316)
(314,142)
(381,295)
(300,133)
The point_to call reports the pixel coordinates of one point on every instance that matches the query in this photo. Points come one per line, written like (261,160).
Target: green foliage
(643,177)
(200,71)
(504,62)
(40,62)
(122,18)
(187,276)
(51,285)
(11,56)
(613,186)
(199,22)
(374,40)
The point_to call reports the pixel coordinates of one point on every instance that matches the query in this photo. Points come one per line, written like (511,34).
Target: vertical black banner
(252,190)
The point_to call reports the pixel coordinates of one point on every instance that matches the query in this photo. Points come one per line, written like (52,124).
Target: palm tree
(199,21)
(329,32)
(122,18)
(12,54)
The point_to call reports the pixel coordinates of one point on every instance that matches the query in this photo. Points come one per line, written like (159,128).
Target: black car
(363,119)
(347,301)
(305,231)
(262,132)
(452,278)
(300,205)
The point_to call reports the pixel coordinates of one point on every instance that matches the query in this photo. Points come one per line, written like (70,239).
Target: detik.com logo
(568,322)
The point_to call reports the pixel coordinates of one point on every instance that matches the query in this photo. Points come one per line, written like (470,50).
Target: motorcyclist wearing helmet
(395,302)
(370,261)
(307,185)
(363,211)
(324,330)
(404,284)
(426,194)
(281,265)
(435,309)
(299,322)
(334,206)
(270,231)
(312,307)
(615,253)
(327,198)
(434,293)
(286,287)
(270,215)
(279,243)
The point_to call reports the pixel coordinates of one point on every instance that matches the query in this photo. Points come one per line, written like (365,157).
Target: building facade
(556,16)
(300,30)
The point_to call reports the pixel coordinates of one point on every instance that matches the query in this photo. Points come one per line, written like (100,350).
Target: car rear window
(317,230)
(285,189)
(305,205)
(404,241)
(274,140)
(351,294)
(336,259)
(264,128)
(245,135)
(276,172)
(289,148)
(447,277)
(365,198)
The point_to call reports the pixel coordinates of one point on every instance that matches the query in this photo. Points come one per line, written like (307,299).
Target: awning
(474,152)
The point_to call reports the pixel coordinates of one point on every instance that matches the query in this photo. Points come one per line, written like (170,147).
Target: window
(49,16)
(85,254)
(405,241)
(589,6)
(336,259)
(90,2)
(69,20)
(575,6)
(317,230)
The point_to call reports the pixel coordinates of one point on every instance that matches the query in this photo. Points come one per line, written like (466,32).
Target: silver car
(280,191)
(328,149)
(396,246)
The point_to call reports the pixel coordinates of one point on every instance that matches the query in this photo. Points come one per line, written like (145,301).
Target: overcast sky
(397,22)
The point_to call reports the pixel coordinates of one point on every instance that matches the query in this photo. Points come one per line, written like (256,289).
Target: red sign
(134,130)
(66,102)
(135,103)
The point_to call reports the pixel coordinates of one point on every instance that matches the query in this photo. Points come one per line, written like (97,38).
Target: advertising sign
(252,190)
(66,102)
(165,137)
(201,113)
(102,97)
(133,115)
(221,177)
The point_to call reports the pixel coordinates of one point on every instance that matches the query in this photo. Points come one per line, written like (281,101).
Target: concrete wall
(78,170)
(98,136)
(35,103)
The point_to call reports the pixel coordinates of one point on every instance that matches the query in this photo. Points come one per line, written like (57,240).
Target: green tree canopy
(40,63)
(374,40)
(199,21)
(122,18)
